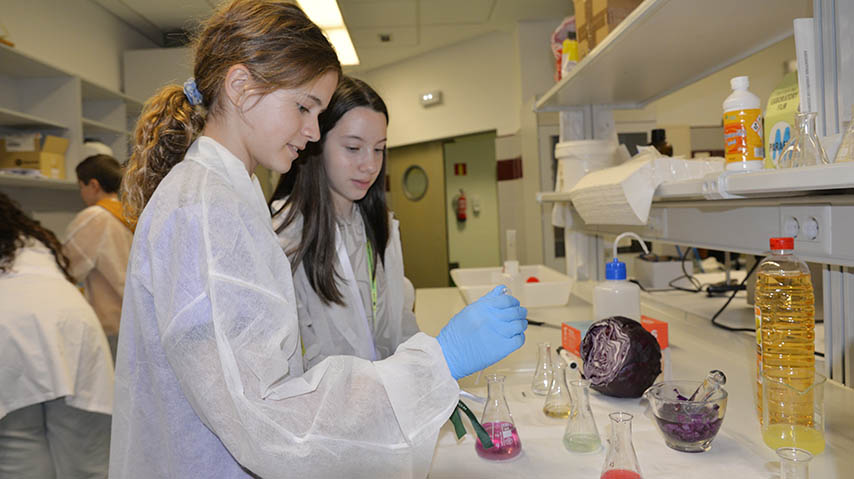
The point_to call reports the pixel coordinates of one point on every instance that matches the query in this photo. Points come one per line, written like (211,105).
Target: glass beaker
(558,403)
(581,434)
(846,148)
(794,463)
(498,423)
(621,461)
(803,149)
(793,412)
(543,372)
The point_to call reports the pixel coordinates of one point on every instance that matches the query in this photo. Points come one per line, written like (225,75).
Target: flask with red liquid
(621,461)
(498,423)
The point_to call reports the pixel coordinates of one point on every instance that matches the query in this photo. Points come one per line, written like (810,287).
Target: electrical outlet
(809,225)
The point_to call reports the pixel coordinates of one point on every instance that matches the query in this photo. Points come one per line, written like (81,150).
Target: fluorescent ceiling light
(327,16)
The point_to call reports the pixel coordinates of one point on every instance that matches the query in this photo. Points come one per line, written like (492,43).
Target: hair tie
(192,92)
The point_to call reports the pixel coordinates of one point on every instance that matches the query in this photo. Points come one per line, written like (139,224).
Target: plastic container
(743,130)
(785,323)
(617,296)
(541,286)
(577,158)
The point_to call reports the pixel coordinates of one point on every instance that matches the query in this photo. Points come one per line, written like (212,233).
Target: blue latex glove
(483,333)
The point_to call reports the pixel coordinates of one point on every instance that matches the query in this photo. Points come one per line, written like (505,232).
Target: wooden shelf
(18,119)
(17,181)
(665,45)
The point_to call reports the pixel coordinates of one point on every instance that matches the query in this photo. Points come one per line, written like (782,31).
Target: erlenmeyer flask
(803,149)
(621,461)
(581,434)
(543,372)
(846,148)
(794,463)
(558,402)
(498,423)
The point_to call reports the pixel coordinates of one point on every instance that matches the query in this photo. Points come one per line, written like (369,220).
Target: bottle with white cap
(743,144)
(616,296)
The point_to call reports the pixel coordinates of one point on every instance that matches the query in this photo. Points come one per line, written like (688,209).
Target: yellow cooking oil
(785,435)
(559,411)
(786,308)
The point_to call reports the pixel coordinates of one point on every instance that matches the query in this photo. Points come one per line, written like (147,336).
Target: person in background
(333,199)
(210,380)
(98,240)
(56,375)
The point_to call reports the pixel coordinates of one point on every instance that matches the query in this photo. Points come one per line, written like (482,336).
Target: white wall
(479,81)
(78,36)
(149,69)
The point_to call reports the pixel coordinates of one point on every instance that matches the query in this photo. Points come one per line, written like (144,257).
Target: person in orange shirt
(98,240)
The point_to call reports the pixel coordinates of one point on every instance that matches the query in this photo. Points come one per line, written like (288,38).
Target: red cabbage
(621,359)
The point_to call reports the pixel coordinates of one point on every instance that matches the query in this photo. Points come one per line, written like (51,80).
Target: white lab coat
(97,245)
(332,329)
(51,344)
(210,380)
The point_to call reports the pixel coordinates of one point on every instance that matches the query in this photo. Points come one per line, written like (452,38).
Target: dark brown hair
(103,168)
(307,189)
(274,40)
(16,229)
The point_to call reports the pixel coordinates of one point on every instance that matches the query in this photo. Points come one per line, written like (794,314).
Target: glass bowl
(687,426)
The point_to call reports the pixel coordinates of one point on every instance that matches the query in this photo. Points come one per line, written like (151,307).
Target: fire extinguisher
(461,206)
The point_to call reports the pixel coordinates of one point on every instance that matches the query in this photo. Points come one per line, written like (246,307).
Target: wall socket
(809,225)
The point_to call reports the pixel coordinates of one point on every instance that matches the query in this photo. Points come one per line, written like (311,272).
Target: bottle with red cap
(785,324)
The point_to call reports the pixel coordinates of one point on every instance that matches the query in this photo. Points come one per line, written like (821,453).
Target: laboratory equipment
(793,413)
(581,434)
(714,381)
(543,372)
(558,402)
(794,463)
(785,323)
(498,423)
(621,461)
(688,425)
(804,149)
(743,143)
(846,148)
(616,296)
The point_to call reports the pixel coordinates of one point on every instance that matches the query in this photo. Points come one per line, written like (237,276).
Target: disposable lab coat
(97,246)
(352,329)
(51,344)
(210,380)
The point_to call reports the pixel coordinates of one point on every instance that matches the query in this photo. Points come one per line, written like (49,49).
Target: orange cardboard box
(47,157)
(573,331)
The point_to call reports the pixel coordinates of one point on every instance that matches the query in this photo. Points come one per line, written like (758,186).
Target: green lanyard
(373,282)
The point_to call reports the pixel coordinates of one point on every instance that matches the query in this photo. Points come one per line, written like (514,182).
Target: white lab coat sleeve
(232,341)
(83,239)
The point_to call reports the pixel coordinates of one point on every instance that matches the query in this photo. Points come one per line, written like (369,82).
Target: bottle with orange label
(744,147)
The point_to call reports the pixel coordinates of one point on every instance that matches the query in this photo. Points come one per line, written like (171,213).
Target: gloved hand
(483,333)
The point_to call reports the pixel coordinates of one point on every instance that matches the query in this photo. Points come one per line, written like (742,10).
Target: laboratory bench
(696,347)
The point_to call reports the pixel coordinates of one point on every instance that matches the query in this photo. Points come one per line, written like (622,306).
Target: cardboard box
(606,15)
(583,33)
(47,156)
(573,331)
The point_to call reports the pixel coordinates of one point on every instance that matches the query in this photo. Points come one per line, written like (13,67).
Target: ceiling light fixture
(327,16)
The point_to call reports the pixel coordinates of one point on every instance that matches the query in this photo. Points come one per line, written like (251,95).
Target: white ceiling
(414,26)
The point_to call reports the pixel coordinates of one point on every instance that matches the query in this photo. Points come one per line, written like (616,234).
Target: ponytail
(164,132)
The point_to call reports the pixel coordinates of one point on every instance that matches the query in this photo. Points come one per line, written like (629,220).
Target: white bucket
(577,158)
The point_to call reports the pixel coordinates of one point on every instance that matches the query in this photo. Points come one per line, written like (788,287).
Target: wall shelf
(94,128)
(665,45)
(16,181)
(17,119)
(94,92)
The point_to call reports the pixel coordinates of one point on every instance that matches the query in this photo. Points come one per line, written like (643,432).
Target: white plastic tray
(553,289)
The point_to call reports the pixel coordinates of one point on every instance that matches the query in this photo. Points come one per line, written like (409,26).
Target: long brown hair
(16,228)
(307,188)
(274,40)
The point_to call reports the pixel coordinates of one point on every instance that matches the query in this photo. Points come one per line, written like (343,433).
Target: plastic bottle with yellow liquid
(785,322)
(743,130)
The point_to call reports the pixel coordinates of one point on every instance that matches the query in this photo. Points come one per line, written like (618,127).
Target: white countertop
(696,347)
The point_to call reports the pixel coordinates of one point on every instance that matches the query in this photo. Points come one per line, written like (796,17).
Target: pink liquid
(620,474)
(505,440)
